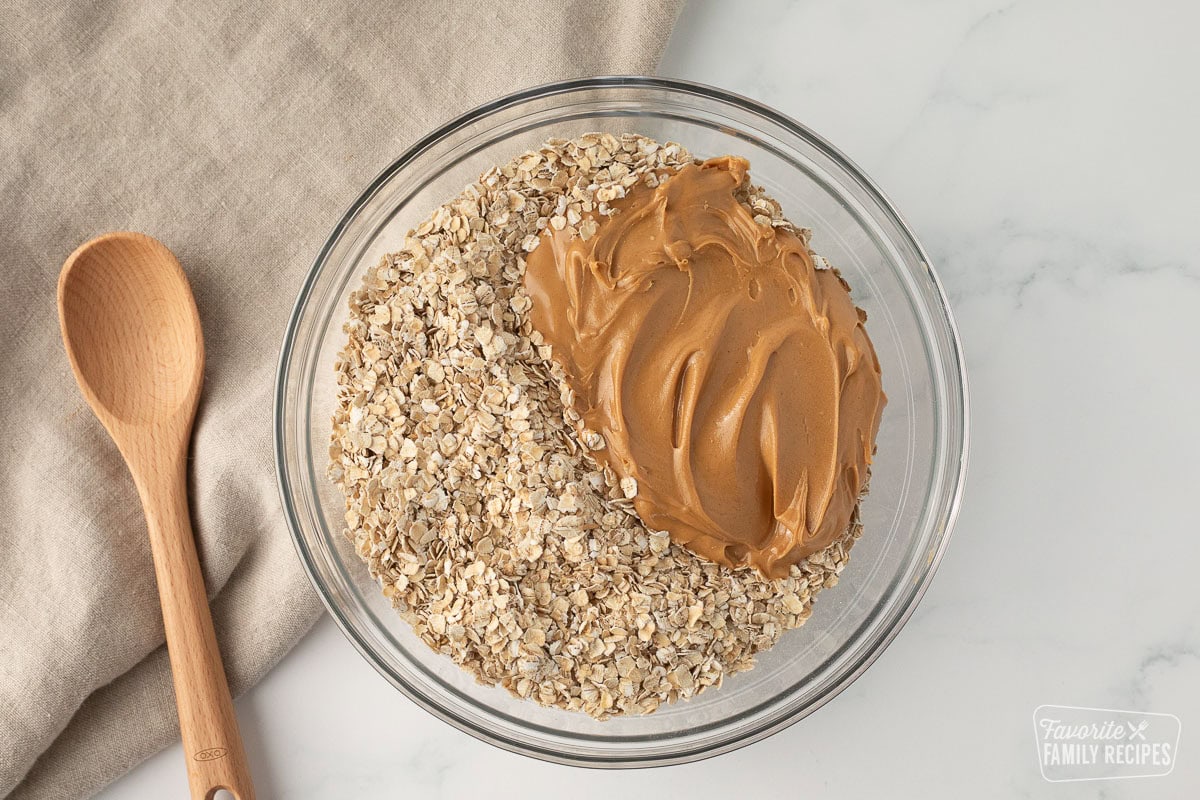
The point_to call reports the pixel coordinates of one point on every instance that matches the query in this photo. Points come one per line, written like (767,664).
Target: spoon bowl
(140,361)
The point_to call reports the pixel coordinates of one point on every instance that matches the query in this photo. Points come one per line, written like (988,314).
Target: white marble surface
(1046,153)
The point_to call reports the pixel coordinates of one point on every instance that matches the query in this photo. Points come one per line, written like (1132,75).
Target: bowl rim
(954,355)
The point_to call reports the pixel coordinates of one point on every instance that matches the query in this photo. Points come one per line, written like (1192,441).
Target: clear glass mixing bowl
(917,476)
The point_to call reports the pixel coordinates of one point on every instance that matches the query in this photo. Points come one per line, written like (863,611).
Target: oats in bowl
(475,491)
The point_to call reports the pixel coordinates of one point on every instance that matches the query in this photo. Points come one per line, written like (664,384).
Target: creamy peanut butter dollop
(728,375)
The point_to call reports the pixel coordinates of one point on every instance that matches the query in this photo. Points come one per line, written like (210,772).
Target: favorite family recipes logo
(1087,744)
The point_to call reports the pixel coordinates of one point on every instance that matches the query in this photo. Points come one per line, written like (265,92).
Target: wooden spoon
(132,333)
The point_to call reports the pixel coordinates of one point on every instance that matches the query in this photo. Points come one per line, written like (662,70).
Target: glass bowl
(916,478)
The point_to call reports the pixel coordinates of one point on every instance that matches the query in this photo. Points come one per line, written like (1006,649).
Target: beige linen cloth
(236,133)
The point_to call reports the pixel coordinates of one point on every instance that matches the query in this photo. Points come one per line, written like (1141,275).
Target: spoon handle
(212,745)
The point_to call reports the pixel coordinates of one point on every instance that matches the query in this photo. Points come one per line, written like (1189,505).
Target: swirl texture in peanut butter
(731,377)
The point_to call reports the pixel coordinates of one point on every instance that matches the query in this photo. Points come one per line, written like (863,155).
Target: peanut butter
(730,377)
